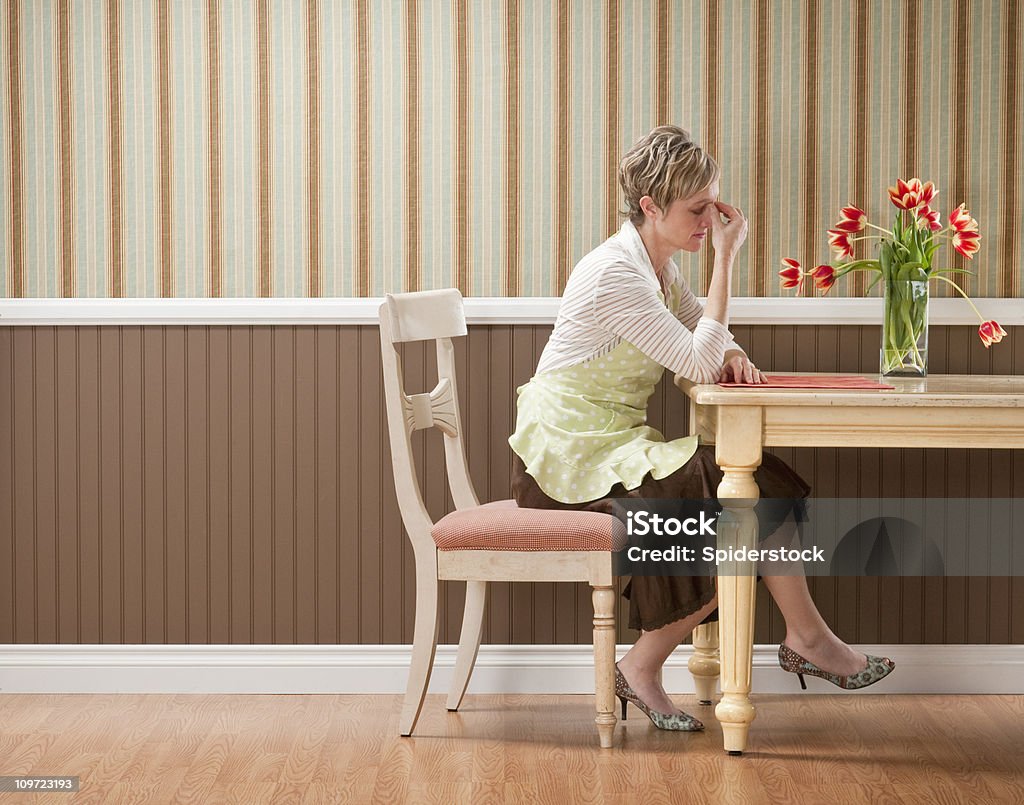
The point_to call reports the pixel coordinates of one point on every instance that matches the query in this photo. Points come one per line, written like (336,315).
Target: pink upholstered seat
(503,526)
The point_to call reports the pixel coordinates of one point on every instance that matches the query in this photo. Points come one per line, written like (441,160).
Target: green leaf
(914,245)
(902,247)
(885,260)
(912,272)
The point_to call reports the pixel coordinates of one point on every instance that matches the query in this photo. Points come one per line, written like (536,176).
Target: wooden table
(983,411)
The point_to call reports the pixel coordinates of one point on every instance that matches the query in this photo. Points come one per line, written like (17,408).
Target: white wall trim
(479,310)
(957,669)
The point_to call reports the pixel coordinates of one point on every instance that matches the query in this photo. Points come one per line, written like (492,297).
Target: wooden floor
(517,749)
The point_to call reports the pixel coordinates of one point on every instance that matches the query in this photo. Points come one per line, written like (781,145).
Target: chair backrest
(424,316)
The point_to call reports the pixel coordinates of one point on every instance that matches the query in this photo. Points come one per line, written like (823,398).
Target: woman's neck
(658,251)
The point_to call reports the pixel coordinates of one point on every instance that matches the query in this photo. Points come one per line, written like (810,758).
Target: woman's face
(687,222)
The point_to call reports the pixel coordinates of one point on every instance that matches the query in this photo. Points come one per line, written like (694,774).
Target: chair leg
(604,663)
(469,641)
(424,646)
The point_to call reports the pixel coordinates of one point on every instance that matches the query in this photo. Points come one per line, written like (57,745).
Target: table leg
(703,663)
(738,453)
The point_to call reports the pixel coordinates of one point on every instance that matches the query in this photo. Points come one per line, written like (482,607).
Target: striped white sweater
(612,296)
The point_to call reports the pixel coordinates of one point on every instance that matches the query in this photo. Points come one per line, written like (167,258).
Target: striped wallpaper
(293,148)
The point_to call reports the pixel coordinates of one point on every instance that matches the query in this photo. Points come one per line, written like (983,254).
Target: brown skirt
(655,601)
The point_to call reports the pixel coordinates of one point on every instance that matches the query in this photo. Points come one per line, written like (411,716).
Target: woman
(580,439)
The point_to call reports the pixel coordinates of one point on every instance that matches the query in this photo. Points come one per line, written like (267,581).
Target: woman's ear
(649,208)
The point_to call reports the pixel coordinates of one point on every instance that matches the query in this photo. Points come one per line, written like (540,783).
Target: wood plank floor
(517,749)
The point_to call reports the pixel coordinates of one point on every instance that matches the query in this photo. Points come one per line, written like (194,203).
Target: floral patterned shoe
(663,721)
(878,668)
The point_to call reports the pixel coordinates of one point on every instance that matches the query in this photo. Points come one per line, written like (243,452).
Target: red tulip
(824,277)
(990,333)
(840,243)
(929,217)
(966,243)
(927,192)
(792,276)
(960,219)
(850,227)
(906,195)
(852,219)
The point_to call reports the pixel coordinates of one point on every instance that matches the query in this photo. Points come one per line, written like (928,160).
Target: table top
(947,391)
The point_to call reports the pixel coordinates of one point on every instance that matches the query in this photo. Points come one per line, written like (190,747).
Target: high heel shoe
(878,668)
(663,721)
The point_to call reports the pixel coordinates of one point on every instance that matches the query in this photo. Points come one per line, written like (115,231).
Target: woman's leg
(643,661)
(806,631)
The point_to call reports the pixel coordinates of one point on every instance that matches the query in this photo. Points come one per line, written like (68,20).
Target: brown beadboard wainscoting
(232,485)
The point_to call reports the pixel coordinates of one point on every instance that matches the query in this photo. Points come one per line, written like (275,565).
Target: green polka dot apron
(582,429)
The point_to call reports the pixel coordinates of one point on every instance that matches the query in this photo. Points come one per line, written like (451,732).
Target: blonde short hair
(666,165)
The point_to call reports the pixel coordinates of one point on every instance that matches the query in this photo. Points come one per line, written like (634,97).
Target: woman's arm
(690,312)
(726,236)
(735,363)
(627,305)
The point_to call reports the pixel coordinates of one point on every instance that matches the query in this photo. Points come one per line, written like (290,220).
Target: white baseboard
(964,669)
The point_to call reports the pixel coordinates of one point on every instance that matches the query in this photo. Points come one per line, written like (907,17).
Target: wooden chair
(477,544)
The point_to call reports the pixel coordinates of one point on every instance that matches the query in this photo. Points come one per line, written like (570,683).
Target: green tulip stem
(904,325)
(911,335)
(961,292)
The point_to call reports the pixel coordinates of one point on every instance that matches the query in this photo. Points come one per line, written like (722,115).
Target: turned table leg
(738,453)
(703,663)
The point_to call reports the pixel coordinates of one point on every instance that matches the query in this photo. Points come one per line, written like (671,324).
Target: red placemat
(817,382)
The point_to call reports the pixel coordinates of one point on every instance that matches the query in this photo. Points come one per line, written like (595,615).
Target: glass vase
(904,350)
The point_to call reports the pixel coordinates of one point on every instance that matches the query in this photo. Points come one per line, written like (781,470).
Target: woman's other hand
(728,236)
(739,369)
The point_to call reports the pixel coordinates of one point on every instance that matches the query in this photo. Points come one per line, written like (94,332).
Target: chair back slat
(426,315)
(461,485)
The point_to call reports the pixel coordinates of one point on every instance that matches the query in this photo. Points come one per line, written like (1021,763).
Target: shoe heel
(802,683)
(623,708)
